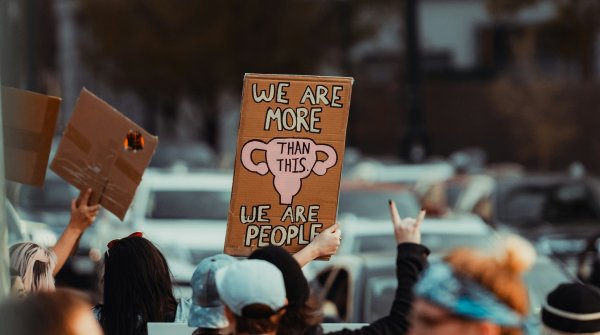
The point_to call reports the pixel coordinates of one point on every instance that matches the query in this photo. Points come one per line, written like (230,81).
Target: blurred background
(484,112)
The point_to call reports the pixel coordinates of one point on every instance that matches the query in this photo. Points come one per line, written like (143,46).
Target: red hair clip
(114,242)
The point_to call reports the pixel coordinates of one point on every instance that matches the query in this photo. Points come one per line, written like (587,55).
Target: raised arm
(410,262)
(325,244)
(82,216)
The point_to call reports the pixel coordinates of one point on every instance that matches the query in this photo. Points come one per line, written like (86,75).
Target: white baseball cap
(248,282)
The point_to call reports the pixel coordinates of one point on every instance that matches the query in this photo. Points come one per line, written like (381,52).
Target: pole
(4,261)
(415,143)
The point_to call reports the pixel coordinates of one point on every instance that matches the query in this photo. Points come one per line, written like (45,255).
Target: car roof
(367,186)
(467,225)
(205,180)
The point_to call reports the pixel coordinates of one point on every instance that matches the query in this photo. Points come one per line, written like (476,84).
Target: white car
(184,214)
(438,234)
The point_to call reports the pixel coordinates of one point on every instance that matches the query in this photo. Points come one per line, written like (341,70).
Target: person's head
(207,311)
(572,308)
(137,286)
(34,264)
(63,312)
(298,314)
(254,295)
(470,293)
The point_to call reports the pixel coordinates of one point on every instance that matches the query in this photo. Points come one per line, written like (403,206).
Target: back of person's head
(207,311)
(480,287)
(34,264)
(299,314)
(254,294)
(572,308)
(63,312)
(137,287)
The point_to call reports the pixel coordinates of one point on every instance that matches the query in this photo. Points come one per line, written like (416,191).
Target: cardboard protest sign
(103,150)
(290,149)
(29,121)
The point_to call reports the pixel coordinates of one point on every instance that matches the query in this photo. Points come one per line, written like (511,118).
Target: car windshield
(189,205)
(373,204)
(436,242)
(55,195)
(548,203)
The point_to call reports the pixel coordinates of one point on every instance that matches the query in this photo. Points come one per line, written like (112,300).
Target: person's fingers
(333,228)
(94,208)
(86,197)
(73,205)
(337,233)
(421,217)
(408,222)
(394,213)
(93,218)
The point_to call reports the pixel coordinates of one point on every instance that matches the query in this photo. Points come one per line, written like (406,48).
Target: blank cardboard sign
(29,120)
(103,150)
(288,165)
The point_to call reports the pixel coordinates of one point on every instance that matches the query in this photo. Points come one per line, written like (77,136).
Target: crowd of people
(468,291)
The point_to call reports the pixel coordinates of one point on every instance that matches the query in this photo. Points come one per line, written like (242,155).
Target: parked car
(184,214)
(557,213)
(366,225)
(439,234)
(362,287)
(363,199)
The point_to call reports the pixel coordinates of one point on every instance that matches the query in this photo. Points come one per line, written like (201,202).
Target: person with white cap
(571,308)
(207,313)
(254,295)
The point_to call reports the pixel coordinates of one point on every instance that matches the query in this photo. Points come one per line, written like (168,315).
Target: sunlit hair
(499,273)
(50,313)
(34,264)
(549,331)
(137,288)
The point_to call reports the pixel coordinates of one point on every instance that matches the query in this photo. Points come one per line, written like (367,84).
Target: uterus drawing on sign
(290,160)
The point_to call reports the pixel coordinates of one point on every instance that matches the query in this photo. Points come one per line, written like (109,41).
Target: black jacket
(410,262)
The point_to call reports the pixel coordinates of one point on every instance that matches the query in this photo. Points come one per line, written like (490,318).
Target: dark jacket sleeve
(410,262)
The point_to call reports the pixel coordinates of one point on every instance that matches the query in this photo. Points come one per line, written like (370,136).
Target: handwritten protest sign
(29,120)
(288,165)
(103,150)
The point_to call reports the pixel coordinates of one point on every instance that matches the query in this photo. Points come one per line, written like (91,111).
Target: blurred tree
(165,50)
(573,32)
(537,105)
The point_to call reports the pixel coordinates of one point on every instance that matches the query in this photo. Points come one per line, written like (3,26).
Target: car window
(523,206)
(550,203)
(54,195)
(188,205)
(15,234)
(380,293)
(374,204)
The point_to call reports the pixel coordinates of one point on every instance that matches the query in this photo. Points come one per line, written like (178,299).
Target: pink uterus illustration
(290,160)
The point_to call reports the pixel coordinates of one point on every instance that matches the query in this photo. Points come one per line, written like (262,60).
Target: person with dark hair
(254,295)
(36,265)
(61,312)
(301,318)
(137,288)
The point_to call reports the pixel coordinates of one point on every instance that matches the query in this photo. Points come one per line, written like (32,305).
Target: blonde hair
(500,273)
(35,265)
